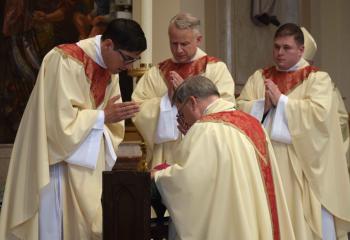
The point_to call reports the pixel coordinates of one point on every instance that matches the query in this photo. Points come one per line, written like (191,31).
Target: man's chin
(182,59)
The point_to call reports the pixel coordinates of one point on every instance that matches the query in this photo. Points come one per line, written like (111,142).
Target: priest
(295,102)
(156,120)
(224,183)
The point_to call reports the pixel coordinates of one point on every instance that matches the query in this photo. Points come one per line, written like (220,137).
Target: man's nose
(179,48)
(280,51)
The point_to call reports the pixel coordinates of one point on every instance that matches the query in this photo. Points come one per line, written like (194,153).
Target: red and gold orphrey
(253,130)
(98,76)
(287,81)
(186,70)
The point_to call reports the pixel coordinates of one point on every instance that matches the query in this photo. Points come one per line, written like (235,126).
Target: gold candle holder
(142,165)
(138,72)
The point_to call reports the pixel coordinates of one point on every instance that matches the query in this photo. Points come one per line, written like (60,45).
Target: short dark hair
(197,86)
(290,29)
(126,34)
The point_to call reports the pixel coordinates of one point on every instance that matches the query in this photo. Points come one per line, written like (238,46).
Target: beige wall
(197,9)
(163,11)
(330,26)
(252,45)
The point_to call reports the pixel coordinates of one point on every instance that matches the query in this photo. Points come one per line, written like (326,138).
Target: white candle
(146,23)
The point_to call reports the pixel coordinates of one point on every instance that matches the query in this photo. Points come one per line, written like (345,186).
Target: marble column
(224,32)
(146,23)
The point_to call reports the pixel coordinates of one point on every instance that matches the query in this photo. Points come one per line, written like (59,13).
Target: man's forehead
(181,33)
(285,40)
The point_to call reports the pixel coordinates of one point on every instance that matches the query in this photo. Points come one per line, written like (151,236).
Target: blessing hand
(116,112)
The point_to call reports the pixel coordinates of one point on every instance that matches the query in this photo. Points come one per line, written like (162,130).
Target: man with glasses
(224,182)
(296,103)
(156,120)
(70,130)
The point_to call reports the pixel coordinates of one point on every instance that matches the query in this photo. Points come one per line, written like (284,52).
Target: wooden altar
(126,203)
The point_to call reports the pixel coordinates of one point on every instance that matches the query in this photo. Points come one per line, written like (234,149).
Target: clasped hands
(173,82)
(272,94)
(118,111)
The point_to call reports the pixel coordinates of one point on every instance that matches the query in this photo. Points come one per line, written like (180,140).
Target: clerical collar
(208,107)
(212,107)
(99,59)
(302,63)
(199,53)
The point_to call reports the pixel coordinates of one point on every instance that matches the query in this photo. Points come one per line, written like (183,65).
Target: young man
(156,120)
(296,105)
(224,183)
(72,125)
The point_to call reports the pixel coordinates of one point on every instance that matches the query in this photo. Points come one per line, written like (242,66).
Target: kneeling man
(225,183)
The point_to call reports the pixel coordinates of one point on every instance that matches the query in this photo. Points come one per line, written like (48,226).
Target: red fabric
(161,166)
(287,81)
(253,130)
(97,75)
(185,70)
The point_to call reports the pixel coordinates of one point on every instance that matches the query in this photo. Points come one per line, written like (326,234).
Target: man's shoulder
(257,74)
(212,59)
(165,62)
(72,50)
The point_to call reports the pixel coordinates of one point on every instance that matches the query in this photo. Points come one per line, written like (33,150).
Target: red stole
(287,81)
(98,76)
(253,130)
(185,70)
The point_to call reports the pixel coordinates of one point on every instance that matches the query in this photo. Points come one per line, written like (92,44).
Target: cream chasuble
(60,115)
(156,120)
(224,183)
(311,154)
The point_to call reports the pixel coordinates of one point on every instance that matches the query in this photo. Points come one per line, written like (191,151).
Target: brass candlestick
(142,165)
(138,72)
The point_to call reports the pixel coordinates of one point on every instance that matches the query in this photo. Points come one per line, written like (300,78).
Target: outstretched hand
(116,112)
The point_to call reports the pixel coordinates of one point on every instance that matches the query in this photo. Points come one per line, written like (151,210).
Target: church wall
(252,43)
(330,25)
(163,11)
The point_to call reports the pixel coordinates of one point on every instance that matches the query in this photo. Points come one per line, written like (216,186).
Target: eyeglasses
(127,59)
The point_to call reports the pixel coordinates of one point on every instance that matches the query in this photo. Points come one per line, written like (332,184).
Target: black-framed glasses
(127,59)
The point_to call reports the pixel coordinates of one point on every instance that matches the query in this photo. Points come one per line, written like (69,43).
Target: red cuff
(161,166)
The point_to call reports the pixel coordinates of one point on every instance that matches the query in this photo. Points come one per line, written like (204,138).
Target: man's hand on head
(116,112)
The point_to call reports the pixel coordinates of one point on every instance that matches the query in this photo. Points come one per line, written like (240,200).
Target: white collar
(300,64)
(99,59)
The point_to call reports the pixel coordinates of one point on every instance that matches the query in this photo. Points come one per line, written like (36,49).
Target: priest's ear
(193,102)
(199,39)
(107,44)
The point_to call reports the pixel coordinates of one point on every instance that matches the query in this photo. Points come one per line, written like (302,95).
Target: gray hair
(197,86)
(186,21)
